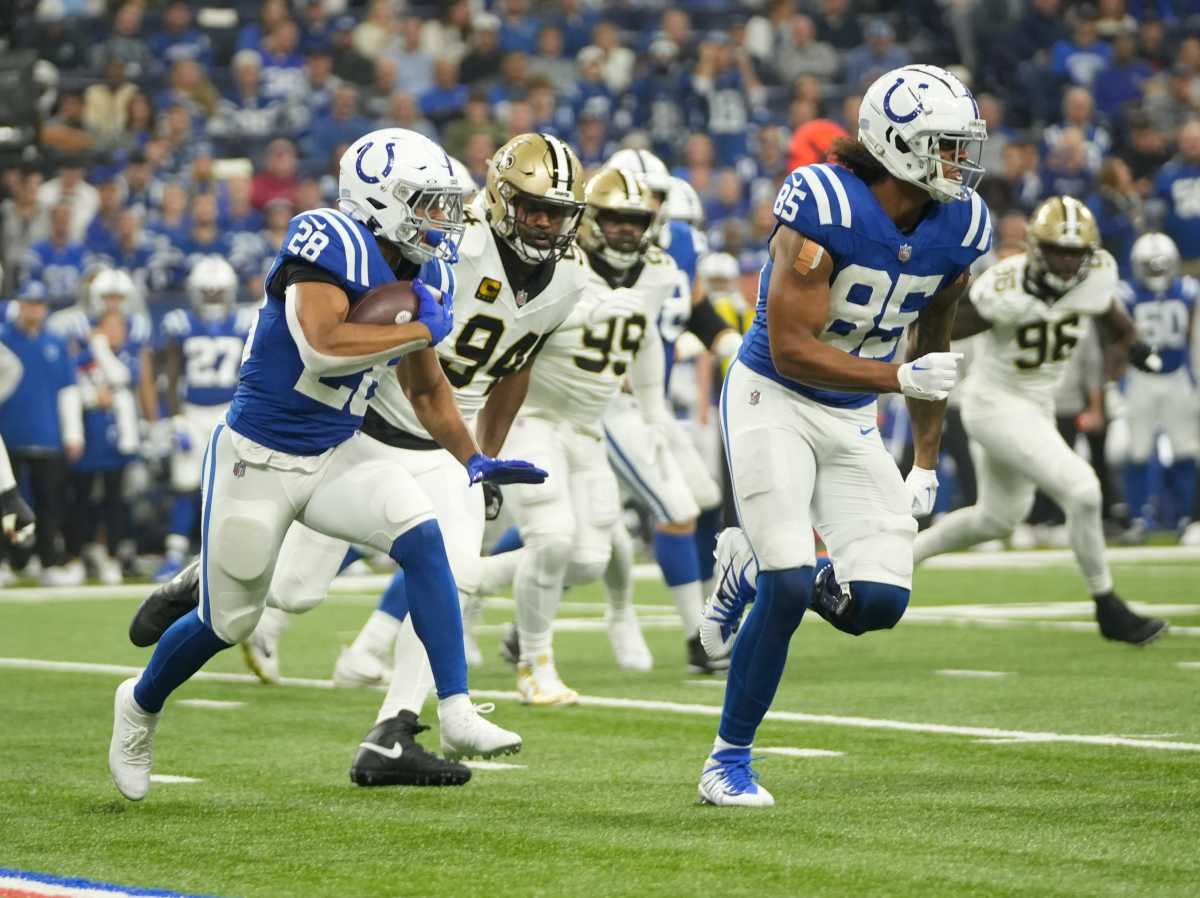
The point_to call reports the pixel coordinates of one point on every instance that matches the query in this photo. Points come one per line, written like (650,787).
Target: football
(390,304)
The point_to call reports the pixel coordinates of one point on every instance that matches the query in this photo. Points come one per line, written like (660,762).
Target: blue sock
(394,600)
(509,541)
(184,511)
(707,526)
(435,613)
(352,555)
(1136,476)
(760,653)
(1181,478)
(182,650)
(676,555)
(877,606)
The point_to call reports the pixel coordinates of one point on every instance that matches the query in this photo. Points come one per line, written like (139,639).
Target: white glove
(930,377)
(923,485)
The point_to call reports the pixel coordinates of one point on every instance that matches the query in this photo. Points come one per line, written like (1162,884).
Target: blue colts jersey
(211,350)
(278,402)
(1164,319)
(881,279)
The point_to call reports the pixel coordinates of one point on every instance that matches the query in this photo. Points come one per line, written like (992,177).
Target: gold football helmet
(1061,238)
(534,196)
(618,221)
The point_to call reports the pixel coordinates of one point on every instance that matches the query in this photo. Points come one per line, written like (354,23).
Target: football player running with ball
(1034,308)
(290,448)
(862,251)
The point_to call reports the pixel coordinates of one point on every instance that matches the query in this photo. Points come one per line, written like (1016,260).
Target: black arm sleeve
(705,323)
(297,271)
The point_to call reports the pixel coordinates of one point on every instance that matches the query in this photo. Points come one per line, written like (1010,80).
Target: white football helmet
(924,126)
(717,268)
(652,169)
(1155,260)
(212,287)
(683,203)
(401,185)
(111,282)
(465,182)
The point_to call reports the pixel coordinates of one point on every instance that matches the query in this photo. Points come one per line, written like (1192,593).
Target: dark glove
(1142,357)
(493,500)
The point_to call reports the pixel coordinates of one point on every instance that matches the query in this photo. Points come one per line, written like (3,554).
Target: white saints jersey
(583,365)
(1031,340)
(496,329)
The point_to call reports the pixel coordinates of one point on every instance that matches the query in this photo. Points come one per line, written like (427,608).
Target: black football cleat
(391,756)
(510,646)
(1121,624)
(165,605)
(698,661)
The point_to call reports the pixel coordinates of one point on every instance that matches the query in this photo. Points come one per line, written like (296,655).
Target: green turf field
(1006,797)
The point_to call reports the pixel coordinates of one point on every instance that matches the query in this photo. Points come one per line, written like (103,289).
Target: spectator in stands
(576,20)
(22,219)
(991,110)
(618,61)
(342,125)
(375,33)
(448,97)
(550,61)
(1016,184)
(475,155)
(65,131)
(589,90)
(142,189)
(413,64)
(727,199)
(312,102)
(1152,44)
(1068,169)
(476,118)
(316,26)
(697,168)
(1177,187)
(802,53)
(447,34)
(139,122)
(236,212)
(136,251)
(1080,57)
(1079,113)
(733,97)
(812,138)
(278,177)
(101,230)
(246,117)
(1146,150)
(189,87)
(42,425)
(403,112)
(879,54)
(654,102)
(592,145)
(544,103)
(270,14)
(70,188)
(127,44)
(837,26)
(348,63)
(1121,84)
(677,28)
(1117,206)
(518,29)
(178,142)
(765,170)
(1174,102)
(377,96)
(282,64)
(479,62)
(513,83)
(105,104)
(168,222)
(179,40)
(767,35)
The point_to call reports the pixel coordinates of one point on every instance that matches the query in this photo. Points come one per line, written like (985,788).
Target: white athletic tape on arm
(116,374)
(70,416)
(7,481)
(329,365)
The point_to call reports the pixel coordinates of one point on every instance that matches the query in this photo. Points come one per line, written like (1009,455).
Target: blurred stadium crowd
(144,136)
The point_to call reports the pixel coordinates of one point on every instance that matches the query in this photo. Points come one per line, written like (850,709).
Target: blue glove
(502,470)
(434,311)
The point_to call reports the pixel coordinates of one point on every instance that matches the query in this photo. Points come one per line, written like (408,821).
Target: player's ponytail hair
(854,155)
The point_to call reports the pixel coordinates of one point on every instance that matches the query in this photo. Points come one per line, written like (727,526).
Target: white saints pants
(1017,450)
(196,423)
(252,495)
(1161,404)
(798,465)
(675,484)
(309,560)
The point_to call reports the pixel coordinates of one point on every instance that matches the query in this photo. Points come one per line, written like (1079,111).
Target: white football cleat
(737,572)
(357,667)
(465,734)
(131,752)
(628,643)
(728,780)
(538,683)
(261,654)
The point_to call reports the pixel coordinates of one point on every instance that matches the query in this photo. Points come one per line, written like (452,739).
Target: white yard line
(211,704)
(656,707)
(494,765)
(973,674)
(171,779)
(799,752)
(1189,665)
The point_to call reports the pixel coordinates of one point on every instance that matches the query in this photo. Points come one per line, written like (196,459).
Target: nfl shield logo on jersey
(905,252)
(239,469)
(754,397)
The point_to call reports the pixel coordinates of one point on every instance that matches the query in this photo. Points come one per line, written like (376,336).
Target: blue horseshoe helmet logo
(887,105)
(387,168)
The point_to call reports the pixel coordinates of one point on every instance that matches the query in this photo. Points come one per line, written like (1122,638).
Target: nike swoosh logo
(915,368)
(865,430)
(391,753)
